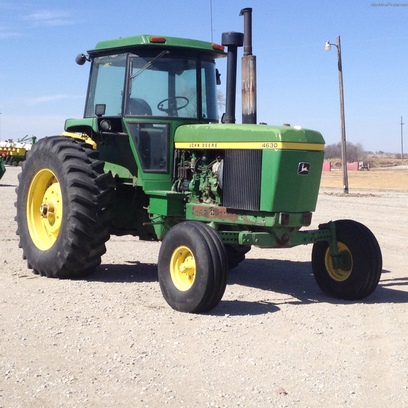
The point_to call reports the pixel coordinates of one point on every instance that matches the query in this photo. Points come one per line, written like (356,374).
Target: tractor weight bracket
(284,237)
(333,247)
(332,239)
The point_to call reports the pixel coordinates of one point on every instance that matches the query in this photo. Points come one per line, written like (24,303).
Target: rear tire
(192,267)
(63,201)
(360,262)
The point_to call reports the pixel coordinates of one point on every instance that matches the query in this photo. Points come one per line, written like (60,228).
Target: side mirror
(218,76)
(100,109)
(81,59)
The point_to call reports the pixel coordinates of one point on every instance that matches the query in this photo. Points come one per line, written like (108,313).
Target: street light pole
(342,116)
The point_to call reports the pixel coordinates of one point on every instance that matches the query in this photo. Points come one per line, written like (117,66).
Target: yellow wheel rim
(346,263)
(182,268)
(44,209)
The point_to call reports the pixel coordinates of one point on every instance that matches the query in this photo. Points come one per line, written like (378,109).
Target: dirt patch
(388,179)
(275,340)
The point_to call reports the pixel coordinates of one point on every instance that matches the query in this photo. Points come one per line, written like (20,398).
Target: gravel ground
(275,340)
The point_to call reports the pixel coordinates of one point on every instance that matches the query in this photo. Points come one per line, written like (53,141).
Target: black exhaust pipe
(248,71)
(232,40)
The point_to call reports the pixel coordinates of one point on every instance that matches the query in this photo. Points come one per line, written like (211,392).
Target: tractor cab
(141,89)
(160,84)
(146,76)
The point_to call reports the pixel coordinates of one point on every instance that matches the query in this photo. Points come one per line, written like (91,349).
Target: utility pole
(402,140)
(342,119)
(343,122)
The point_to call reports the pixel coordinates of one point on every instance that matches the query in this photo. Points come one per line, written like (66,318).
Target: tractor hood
(265,168)
(247,136)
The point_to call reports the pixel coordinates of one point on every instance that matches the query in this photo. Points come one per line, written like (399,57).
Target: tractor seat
(139,107)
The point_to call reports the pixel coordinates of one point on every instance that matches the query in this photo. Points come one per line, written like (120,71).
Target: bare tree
(220,102)
(355,152)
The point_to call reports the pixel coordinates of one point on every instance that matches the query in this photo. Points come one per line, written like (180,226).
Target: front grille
(242,179)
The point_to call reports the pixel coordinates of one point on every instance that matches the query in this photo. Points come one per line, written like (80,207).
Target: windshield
(106,84)
(160,85)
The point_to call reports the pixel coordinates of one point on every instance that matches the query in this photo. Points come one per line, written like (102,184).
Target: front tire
(192,267)
(360,267)
(63,201)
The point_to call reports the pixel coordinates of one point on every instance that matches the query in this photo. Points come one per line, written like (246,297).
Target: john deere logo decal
(303,168)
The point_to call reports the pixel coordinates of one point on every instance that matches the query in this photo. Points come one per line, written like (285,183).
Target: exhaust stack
(232,40)
(248,71)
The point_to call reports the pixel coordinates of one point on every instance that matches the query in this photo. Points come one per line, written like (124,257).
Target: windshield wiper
(150,63)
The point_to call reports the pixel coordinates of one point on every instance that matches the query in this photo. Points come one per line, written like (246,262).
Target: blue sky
(41,85)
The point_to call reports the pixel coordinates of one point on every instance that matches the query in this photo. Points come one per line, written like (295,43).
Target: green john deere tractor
(151,159)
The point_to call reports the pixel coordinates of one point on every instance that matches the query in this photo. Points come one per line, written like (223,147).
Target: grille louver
(242,179)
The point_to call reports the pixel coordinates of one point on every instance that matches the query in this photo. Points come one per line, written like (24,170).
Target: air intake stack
(248,71)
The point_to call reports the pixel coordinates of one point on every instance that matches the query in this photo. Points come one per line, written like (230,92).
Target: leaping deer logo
(304,168)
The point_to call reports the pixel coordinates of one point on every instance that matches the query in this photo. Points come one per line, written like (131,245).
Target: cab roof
(154,41)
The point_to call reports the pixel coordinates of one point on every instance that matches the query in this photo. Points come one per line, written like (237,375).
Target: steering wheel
(172,105)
